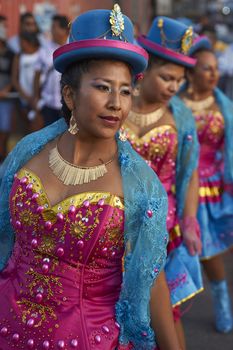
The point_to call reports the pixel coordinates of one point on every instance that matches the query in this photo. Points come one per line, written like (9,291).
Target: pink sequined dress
(215,205)
(63,279)
(159,148)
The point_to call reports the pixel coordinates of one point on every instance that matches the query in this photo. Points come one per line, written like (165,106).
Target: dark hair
(154,60)
(3,18)
(31,38)
(62,21)
(73,77)
(194,55)
(25,16)
(159,61)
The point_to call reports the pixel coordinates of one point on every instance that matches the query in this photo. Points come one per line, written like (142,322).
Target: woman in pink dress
(212,112)
(160,128)
(81,199)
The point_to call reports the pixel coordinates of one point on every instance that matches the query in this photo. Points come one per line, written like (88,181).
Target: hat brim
(76,51)
(167,54)
(201,43)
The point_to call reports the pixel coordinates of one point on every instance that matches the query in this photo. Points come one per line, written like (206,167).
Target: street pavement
(199,320)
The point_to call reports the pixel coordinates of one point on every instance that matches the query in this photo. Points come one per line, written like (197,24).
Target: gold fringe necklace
(197,106)
(141,119)
(71,174)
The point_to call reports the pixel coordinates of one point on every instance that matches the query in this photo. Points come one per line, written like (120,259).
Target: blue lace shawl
(188,149)
(145,235)
(226,107)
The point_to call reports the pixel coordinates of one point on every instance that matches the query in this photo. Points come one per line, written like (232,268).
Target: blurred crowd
(30,87)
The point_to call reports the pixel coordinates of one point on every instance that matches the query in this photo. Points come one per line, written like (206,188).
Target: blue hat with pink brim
(201,42)
(169,39)
(102,34)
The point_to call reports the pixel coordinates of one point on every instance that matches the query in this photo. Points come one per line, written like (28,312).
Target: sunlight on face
(104,98)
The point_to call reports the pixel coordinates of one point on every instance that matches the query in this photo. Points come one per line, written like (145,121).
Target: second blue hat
(170,40)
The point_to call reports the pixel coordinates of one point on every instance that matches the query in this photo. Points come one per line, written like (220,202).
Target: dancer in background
(213,111)
(80,198)
(161,129)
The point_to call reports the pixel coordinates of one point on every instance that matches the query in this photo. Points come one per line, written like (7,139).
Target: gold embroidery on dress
(80,228)
(43,311)
(44,282)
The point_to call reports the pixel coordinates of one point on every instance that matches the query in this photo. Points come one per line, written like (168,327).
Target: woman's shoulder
(134,163)
(39,161)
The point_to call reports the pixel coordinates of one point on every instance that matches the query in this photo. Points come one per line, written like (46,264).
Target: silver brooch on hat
(117,21)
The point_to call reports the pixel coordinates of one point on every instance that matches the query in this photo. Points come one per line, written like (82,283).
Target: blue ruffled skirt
(215,216)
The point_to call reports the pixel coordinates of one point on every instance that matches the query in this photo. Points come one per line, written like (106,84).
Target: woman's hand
(191,235)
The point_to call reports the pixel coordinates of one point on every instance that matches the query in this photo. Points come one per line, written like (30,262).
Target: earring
(190,88)
(73,127)
(122,135)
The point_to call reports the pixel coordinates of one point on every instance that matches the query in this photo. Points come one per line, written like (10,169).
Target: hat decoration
(117,21)
(186,40)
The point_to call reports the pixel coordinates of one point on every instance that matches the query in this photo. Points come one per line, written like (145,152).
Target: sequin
(46,344)
(60,252)
(97,339)
(4,331)
(15,337)
(30,343)
(74,343)
(105,329)
(61,344)
(34,243)
(150,213)
(30,322)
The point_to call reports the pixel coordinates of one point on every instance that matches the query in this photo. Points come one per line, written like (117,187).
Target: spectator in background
(27,24)
(3,21)
(24,70)
(6,59)
(48,96)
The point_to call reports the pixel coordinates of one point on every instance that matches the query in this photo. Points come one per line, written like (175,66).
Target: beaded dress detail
(159,148)
(66,269)
(214,215)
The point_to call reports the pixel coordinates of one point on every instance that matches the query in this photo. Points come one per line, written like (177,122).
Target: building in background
(140,11)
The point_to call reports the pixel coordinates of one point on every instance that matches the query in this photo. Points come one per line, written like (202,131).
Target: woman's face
(205,75)
(103,100)
(161,82)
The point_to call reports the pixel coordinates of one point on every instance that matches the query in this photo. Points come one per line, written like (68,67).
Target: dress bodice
(210,128)
(67,263)
(159,148)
